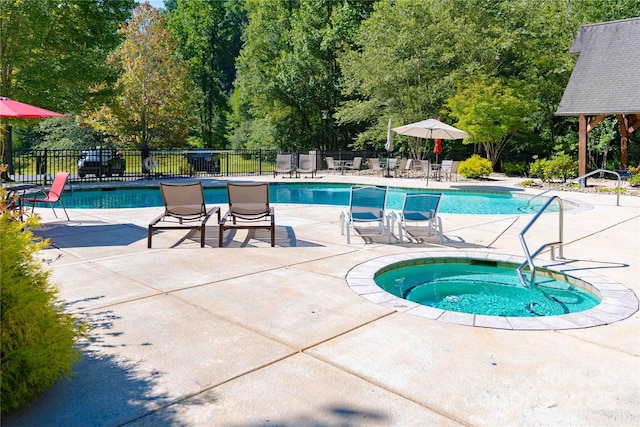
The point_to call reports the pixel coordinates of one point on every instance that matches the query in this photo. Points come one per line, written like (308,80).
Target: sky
(155,3)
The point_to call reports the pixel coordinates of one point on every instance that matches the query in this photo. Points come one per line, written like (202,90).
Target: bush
(560,167)
(475,167)
(514,168)
(37,338)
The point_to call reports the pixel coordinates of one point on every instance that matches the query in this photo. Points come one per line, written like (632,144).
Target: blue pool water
(324,194)
(484,288)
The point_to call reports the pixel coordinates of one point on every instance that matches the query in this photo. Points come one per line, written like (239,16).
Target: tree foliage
(209,32)
(155,99)
(286,90)
(491,111)
(54,51)
(412,56)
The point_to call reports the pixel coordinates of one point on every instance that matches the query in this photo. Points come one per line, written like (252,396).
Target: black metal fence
(39,166)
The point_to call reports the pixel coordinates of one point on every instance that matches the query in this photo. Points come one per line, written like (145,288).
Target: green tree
(286,91)
(492,111)
(54,51)
(52,54)
(210,39)
(156,99)
(399,69)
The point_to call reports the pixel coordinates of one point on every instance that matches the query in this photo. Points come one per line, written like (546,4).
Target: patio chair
(330,164)
(445,169)
(355,165)
(366,205)
(184,208)
(306,164)
(454,170)
(283,165)
(52,196)
(404,168)
(418,208)
(248,209)
(374,166)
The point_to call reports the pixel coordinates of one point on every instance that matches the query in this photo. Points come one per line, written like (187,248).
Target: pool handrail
(573,181)
(530,256)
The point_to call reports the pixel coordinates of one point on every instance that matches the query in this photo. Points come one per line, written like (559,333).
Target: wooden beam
(592,122)
(582,145)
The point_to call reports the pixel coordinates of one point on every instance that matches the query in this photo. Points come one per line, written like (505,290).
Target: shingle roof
(606,78)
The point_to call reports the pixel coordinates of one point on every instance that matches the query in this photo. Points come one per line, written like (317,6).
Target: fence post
(260,162)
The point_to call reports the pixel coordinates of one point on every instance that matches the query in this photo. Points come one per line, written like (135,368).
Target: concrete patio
(249,335)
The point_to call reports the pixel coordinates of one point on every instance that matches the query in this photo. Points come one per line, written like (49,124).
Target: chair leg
(202,236)
(220,235)
(64,209)
(273,235)
(149,236)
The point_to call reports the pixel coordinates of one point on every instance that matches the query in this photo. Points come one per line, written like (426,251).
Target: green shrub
(37,337)
(527,183)
(536,169)
(560,167)
(475,167)
(514,168)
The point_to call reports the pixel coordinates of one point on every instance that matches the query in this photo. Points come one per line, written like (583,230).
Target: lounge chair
(330,164)
(355,165)
(184,208)
(52,196)
(306,164)
(366,205)
(283,165)
(248,209)
(374,166)
(418,208)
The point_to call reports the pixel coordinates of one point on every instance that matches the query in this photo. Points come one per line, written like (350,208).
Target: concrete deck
(249,335)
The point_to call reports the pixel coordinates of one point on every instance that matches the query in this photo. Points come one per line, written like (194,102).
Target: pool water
(457,202)
(484,288)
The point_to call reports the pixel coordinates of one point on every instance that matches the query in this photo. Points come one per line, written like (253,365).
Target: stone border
(618,302)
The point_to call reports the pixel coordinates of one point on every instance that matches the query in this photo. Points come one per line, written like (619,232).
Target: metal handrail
(573,181)
(559,243)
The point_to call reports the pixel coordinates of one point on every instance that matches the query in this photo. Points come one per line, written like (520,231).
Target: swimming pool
(457,202)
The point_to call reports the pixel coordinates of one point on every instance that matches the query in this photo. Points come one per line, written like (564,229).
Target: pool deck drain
(617,302)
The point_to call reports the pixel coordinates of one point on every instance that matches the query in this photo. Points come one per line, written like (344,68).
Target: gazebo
(605,82)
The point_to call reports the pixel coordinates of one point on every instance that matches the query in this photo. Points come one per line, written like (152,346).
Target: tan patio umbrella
(431,129)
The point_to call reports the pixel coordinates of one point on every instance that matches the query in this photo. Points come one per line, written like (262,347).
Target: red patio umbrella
(19,110)
(437,148)
(10,109)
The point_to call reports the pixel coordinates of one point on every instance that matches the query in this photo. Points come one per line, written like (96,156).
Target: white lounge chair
(418,208)
(366,205)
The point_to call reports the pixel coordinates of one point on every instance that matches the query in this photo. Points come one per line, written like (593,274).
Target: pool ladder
(530,256)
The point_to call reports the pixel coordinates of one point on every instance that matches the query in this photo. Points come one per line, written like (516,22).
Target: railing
(573,181)
(530,256)
(39,166)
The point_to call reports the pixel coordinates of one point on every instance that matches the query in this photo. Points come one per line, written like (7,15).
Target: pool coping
(618,302)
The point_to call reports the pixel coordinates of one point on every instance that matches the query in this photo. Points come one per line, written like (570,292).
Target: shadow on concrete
(104,390)
(81,236)
(285,238)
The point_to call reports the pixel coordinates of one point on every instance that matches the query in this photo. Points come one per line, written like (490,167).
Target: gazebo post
(582,145)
